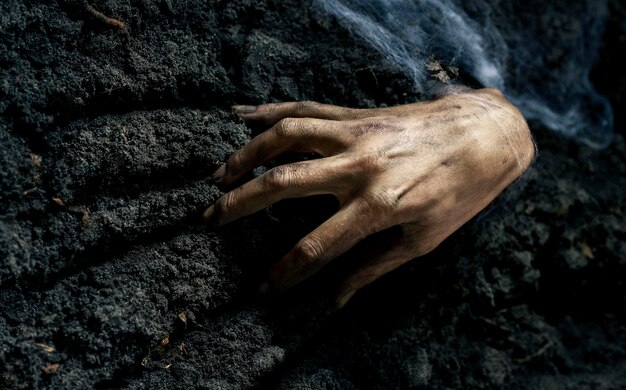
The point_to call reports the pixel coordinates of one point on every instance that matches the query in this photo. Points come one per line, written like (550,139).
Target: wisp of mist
(539,57)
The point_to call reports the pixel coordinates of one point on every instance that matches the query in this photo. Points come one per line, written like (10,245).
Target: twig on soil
(46,348)
(106,19)
(539,352)
(58,201)
(30,191)
(371,69)
(33,190)
(506,309)
(495,324)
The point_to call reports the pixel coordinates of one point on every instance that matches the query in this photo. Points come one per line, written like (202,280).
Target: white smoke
(407,32)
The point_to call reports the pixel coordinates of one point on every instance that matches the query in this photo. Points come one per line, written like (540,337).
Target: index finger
(299,135)
(271,113)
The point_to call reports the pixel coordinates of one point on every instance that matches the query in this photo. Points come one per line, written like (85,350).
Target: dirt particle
(52,368)
(539,352)
(182,316)
(36,159)
(587,251)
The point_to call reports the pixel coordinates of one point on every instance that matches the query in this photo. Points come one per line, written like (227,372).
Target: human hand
(426,167)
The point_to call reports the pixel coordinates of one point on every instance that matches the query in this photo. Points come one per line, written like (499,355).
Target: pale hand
(426,167)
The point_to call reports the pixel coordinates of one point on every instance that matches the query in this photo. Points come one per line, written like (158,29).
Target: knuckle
(306,106)
(236,160)
(286,126)
(388,198)
(277,179)
(272,108)
(374,162)
(309,250)
(385,200)
(224,205)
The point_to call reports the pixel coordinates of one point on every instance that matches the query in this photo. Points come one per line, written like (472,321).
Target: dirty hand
(426,167)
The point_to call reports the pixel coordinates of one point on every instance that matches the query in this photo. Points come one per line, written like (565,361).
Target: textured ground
(107,278)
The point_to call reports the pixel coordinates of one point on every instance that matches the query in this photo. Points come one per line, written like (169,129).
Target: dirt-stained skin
(426,167)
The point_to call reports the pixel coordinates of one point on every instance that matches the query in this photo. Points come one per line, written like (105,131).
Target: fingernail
(209,216)
(341,302)
(218,175)
(243,109)
(264,287)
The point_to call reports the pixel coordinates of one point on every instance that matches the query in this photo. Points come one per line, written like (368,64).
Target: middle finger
(305,178)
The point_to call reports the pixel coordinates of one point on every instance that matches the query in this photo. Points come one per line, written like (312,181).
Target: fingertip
(218,175)
(280,273)
(206,215)
(209,216)
(343,299)
(243,109)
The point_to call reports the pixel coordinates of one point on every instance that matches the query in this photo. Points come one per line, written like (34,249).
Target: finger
(377,263)
(331,239)
(273,112)
(299,135)
(295,180)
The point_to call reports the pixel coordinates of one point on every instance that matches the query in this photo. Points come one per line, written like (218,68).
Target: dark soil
(108,279)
